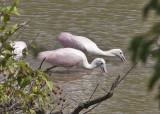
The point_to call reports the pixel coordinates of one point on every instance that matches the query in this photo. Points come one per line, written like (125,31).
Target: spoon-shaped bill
(122,58)
(104,68)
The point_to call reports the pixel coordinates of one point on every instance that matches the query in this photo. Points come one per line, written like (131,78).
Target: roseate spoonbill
(18,47)
(70,57)
(86,45)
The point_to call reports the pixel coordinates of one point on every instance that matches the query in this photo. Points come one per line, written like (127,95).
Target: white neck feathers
(105,53)
(86,65)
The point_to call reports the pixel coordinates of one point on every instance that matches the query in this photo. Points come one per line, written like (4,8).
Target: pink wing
(72,41)
(61,57)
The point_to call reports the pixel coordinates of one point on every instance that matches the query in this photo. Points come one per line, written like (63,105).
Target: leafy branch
(24,89)
(142,45)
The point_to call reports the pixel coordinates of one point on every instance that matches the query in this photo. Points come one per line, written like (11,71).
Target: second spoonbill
(86,45)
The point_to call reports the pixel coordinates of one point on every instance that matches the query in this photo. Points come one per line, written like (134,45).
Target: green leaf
(153,4)
(7,52)
(136,47)
(1,58)
(36,105)
(34,88)
(32,111)
(25,67)
(15,11)
(25,81)
(32,45)
(3,28)
(2,18)
(42,75)
(16,2)
(14,27)
(146,10)
(155,29)
(25,108)
(49,84)
(13,5)
(12,69)
(6,84)
(25,52)
(19,93)
(6,18)
(52,106)
(146,50)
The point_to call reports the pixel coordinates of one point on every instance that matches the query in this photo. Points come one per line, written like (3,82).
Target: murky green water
(110,24)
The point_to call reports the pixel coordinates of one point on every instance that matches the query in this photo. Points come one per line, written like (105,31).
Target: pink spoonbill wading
(70,57)
(86,45)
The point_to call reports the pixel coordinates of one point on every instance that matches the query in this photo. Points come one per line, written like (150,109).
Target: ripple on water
(110,24)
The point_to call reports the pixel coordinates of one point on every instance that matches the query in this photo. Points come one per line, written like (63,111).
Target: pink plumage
(73,41)
(70,57)
(66,57)
(86,45)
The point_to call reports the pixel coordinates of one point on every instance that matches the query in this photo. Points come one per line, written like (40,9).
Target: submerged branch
(97,101)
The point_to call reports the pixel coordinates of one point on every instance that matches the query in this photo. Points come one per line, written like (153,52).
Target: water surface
(110,24)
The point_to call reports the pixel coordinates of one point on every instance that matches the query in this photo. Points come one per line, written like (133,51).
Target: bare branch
(13,105)
(24,29)
(31,85)
(35,38)
(59,112)
(97,101)
(18,27)
(115,83)
(93,92)
(41,63)
(6,109)
(127,73)
(73,100)
(43,85)
(48,69)
(92,108)
(104,90)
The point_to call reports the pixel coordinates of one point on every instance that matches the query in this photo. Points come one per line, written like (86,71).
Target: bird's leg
(47,70)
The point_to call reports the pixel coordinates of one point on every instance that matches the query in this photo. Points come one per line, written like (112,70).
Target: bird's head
(118,53)
(101,62)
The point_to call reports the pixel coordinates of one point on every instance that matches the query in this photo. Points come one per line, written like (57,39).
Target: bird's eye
(120,52)
(101,63)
